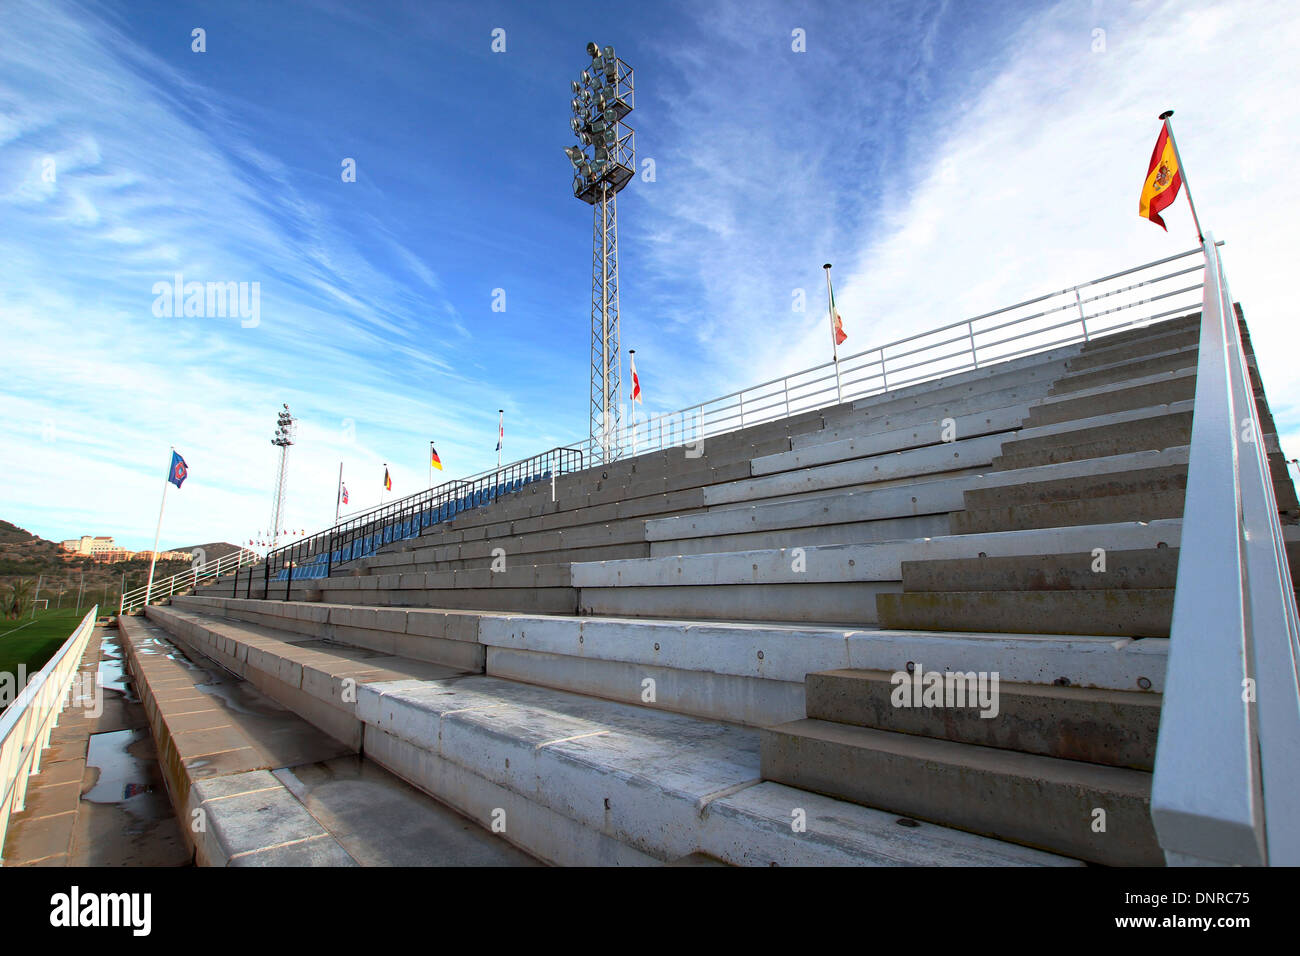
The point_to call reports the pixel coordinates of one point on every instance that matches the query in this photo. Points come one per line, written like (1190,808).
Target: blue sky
(949,157)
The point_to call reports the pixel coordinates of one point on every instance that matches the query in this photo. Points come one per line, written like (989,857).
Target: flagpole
(430,464)
(501,433)
(338,494)
(631,355)
(835,348)
(153,556)
(1182,172)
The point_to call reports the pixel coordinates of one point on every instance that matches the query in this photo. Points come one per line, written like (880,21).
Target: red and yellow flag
(1163,179)
(388,482)
(434,460)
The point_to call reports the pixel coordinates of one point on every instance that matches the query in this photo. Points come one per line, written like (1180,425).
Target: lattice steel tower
(285,427)
(603,164)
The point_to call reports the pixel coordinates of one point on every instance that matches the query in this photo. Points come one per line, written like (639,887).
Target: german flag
(1164,179)
(388,482)
(434,460)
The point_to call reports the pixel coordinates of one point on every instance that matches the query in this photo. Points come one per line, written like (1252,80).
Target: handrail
(137,597)
(1227,771)
(26,724)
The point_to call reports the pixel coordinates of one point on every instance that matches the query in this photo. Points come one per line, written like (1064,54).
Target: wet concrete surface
(383,821)
(99,799)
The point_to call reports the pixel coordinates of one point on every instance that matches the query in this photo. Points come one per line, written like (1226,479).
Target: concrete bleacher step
(749,674)
(1039,801)
(1100,441)
(1143,569)
(1124,368)
(1103,726)
(1164,388)
(1135,506)
(256,785)
(579,780)
(1127,612)
(829,584)
(1101,352)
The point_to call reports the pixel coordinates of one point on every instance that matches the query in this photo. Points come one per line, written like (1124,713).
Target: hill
(62,576)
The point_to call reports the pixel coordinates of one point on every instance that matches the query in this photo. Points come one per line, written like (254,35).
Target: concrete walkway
(99,799)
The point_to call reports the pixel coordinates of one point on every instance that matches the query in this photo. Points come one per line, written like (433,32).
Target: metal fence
(209,570)
(364,534)
(1227,770)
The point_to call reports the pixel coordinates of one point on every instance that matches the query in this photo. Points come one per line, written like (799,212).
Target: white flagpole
(1182,171)
(338,494)
(631,357)
(501,433)
(835,347)
(153,557)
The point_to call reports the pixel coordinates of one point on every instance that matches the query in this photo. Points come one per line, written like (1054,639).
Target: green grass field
(33,642)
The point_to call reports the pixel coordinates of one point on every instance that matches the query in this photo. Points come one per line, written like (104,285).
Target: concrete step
(1112,570)
(583,781)
(868,443)
(1098,353)
(1136,506)
(1169,478)
(931,460)
(1040,370)
(1135,335)
(740,673)
(1157,432)
(1131,612)
(1030,799)
(1115,728)
(1162,389)
(270,789)
(1125,369)
(825,585)
(816,534)
(863,423)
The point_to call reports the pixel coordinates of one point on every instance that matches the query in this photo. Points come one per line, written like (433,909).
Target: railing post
(974,355)
(1083,320)
(884,376)
(786,384)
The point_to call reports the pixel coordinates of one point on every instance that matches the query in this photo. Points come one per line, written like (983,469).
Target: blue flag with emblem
(180,471)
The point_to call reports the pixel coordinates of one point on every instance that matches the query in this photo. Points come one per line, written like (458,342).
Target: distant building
(101,548)
(165,556)
(97,548)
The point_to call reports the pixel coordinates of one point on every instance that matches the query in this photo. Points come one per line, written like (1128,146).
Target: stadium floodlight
(285,427)
(605,163)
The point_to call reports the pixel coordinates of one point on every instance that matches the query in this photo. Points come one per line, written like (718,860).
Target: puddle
(122,778)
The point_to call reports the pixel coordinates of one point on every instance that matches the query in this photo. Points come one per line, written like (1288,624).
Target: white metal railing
(26,724)
(1227,769)
(1133,297)
(136,597)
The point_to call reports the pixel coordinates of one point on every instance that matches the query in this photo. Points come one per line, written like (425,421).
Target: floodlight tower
(603,163)
(285,427)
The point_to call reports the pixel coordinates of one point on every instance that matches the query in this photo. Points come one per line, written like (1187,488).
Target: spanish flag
(388,482)
(1163,179)
(434,460)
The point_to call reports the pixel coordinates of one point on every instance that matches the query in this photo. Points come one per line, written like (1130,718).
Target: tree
(20,592)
